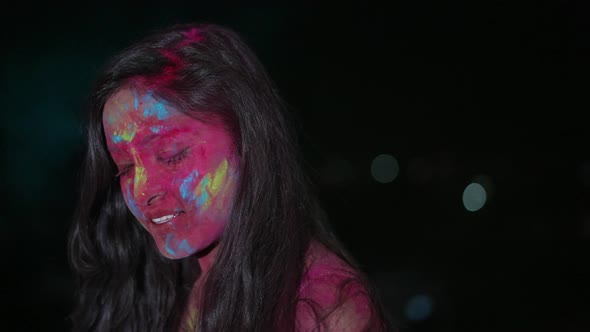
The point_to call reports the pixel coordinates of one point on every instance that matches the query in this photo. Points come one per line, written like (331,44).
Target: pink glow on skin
(185,166)
(321,284)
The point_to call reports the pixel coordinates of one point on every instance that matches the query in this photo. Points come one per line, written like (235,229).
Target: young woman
(195,213)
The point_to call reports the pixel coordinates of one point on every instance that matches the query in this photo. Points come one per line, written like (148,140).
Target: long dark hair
(123,283)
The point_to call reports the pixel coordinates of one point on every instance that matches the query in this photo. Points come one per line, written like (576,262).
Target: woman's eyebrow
(161,134)
(149,138)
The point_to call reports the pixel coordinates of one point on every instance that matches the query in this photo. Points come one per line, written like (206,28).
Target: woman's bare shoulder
(331,294)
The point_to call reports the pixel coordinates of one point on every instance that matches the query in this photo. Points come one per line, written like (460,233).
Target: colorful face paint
(178,175)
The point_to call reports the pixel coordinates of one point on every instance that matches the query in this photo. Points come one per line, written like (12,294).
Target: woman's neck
(191,312)
(207,259)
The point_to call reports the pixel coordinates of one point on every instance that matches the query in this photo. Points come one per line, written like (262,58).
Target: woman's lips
(167,218)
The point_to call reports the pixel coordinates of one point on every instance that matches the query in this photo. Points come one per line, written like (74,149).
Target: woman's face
(178,175)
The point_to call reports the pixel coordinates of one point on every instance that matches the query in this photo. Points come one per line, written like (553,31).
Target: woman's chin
(176,255)
(173,249)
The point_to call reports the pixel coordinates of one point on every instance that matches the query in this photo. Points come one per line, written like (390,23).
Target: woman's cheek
(187,187)
(131,204)
(226,191)
(197,191)
(212,188)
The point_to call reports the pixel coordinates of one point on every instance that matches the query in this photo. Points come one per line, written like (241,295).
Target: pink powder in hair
(191,36)
(169,72)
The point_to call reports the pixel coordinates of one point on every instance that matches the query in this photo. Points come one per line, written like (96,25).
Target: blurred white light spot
(474,197)
(384,168)
(419,307)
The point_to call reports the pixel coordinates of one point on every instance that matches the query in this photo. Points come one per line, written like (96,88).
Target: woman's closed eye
(175,159)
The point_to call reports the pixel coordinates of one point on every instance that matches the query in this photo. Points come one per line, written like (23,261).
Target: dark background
(455,91)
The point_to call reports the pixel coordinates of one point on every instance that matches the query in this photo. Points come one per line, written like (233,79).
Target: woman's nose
(150,196)
(147,189)
(154,198)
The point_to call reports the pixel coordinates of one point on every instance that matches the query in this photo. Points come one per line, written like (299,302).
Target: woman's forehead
(131,116)
(134,116)
(131,104)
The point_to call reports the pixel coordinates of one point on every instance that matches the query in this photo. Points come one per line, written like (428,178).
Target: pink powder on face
(184,169)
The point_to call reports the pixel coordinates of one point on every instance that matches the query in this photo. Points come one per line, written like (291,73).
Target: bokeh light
(474,197)
(384,168)
(419,307)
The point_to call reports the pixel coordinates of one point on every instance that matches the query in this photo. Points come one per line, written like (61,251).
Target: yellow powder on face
(213,187)
(140,174)
(126,134)
(218,177)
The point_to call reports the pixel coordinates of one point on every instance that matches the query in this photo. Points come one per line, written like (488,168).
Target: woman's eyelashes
(175,159)
(171,161)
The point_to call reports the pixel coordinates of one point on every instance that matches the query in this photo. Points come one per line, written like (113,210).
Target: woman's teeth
(167,218)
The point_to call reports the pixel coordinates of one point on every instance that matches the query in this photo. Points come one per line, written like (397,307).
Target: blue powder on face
(187,187)
(132,206)
(156,129)
(157,109)
(202,199)
(135,100)
(161,111)
(186,247)
(168,239)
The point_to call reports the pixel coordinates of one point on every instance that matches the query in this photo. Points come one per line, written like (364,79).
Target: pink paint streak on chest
(331,285)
